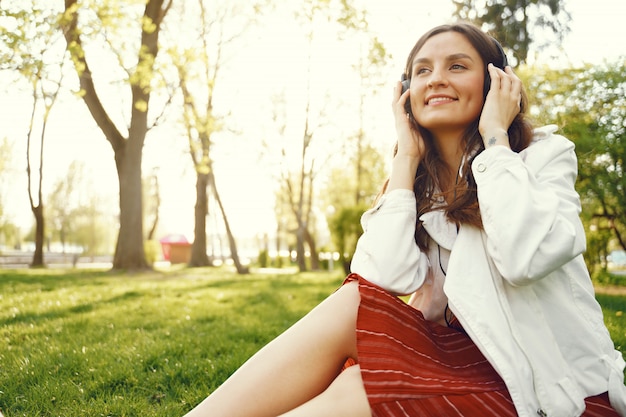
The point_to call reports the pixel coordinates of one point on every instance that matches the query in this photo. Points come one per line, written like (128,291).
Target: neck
(450,150)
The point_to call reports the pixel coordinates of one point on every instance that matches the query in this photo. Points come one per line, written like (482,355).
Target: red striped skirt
(413,367)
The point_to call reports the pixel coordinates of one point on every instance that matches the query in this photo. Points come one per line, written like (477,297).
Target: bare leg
(295,367)
(345,397)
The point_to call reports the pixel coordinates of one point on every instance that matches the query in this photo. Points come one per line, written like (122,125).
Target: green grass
(614,307)
(98,344)
(93,343)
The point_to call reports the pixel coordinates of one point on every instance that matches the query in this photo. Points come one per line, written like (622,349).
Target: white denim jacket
(520,287)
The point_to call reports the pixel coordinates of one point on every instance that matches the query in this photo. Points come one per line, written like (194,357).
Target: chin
(444,123)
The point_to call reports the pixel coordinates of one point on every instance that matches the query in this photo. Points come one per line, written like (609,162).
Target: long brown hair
(463,206)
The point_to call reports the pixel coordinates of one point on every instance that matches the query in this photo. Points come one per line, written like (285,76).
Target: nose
(437,78)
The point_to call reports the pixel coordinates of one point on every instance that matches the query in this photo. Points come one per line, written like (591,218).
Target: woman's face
(447,84)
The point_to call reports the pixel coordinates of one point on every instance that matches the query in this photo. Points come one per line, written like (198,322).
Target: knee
(347,391)
(348,380)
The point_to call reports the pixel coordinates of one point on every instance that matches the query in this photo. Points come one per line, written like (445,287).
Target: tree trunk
(157,206)
(231,239)
(315,258)
(39,236)
(198,248)
(279,234)
(300,255)
(129,251)
(300,215)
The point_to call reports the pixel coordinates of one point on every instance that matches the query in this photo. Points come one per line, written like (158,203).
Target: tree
(589,104)
(139,77)
(352,186)
(299,180)
(32,53)
(345,228)
(75,213)
(47,98)
(348,197)
(306,157)
(297,159)
(8,230)
(152,198)
(199,61)
(63,202)
(518,23)
(91,229)
(296,191)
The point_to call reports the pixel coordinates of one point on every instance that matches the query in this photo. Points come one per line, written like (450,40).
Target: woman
(479,222)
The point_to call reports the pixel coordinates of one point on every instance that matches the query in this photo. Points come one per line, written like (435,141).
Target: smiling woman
(479,223)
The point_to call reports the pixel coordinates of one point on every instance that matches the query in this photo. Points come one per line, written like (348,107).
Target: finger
(398,103)
(516,82)
(404,98)
(397,94)
(508,70)
(399,99)
(509,83)
(396,91)
(496,76)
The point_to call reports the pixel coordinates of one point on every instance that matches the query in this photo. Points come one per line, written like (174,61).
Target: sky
(597,33)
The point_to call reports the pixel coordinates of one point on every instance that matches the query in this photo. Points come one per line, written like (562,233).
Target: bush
(152,248)
(605,277)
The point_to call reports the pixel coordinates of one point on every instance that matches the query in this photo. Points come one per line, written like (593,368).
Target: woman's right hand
(410,146)
(410,142)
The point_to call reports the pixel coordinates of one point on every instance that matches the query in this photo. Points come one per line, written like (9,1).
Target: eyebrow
(452,57)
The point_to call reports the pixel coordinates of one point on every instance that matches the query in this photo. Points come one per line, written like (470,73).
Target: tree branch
(88,89)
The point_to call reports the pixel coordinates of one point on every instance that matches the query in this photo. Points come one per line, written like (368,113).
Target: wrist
(496,137)
(403,169)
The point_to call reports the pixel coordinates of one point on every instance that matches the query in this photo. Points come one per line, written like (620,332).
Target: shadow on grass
(50,279)
(36,316)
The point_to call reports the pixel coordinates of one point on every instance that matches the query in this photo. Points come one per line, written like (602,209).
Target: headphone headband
(503,59)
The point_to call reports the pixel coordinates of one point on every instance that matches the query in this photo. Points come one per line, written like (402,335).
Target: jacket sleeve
(529,207)
(386,253)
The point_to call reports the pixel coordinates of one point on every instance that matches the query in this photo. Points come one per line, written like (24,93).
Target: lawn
(98,344)
(93,343)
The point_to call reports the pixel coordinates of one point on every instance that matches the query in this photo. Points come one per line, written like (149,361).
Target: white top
(520,287)
(430,298)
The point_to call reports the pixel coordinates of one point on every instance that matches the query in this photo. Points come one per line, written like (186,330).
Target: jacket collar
(439,228)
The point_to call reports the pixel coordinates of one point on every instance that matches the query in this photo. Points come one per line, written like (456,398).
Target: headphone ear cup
(486,85)
(501,64)
(406,84)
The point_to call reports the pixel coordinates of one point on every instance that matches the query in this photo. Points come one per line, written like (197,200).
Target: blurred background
(255,133)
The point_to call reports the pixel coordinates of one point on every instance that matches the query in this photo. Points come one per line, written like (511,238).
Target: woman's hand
(502,104)
(410,146)
(410,143)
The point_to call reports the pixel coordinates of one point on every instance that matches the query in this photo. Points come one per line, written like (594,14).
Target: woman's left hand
(502,104)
